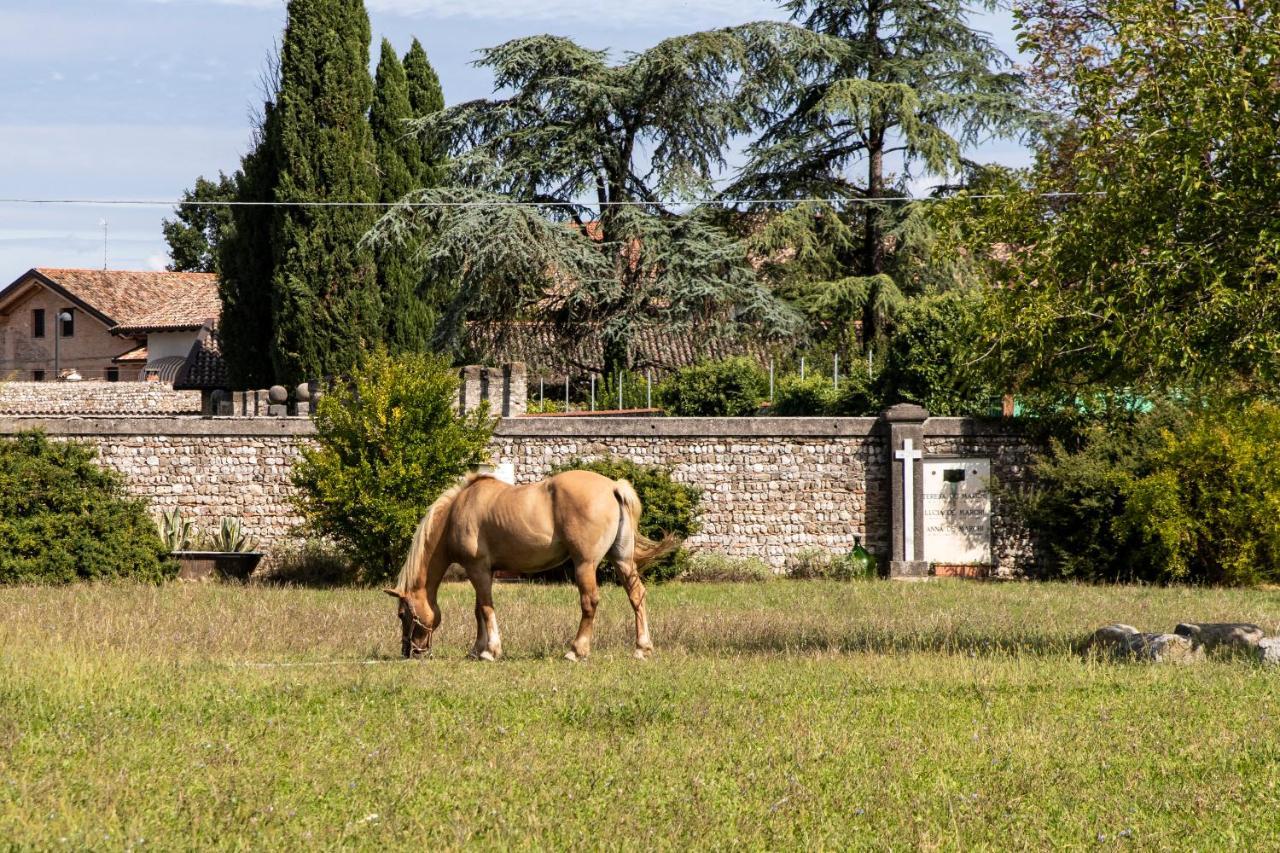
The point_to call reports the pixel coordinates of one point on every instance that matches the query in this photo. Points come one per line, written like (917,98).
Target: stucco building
(116,325)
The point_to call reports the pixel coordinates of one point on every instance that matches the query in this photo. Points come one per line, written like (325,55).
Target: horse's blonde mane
(413,567)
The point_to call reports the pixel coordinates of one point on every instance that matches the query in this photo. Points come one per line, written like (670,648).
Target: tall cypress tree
(246,260)
(408,316)
(325,301)
(425,98)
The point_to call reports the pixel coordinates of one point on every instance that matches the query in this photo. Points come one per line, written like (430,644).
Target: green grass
(949,715)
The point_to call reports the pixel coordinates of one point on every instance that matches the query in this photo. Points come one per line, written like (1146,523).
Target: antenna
(103,223)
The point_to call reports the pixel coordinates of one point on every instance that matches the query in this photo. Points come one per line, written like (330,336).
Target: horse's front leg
(488,645)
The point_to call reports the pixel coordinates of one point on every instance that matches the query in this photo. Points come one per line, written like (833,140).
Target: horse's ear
(394,593)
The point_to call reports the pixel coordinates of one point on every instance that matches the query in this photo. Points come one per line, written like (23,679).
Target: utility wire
(722,202)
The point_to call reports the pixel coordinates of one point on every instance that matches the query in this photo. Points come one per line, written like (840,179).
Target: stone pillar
(470,388)
(906,490)
(515,386)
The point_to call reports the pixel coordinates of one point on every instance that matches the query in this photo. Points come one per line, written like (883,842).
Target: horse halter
(414,649)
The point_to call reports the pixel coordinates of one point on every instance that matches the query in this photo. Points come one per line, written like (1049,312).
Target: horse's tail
(646,550)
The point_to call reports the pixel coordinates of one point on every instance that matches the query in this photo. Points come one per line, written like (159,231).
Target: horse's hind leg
(584,575)
(636,592)
(488,645)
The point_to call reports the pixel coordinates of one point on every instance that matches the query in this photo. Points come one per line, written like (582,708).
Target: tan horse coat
(484,524)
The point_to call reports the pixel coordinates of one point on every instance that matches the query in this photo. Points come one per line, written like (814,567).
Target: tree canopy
(905,79)
(1162,273)
(197,228)
(600,147)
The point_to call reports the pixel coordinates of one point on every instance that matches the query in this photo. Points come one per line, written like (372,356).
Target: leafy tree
(908,78)
(1163,272)
(600,145)
(409,318)
(325,301)
(387,445)
(63,517)
(196,229)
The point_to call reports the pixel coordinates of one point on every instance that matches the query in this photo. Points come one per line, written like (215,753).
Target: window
(37,322)
(113,374)
(37,376)
(69,325)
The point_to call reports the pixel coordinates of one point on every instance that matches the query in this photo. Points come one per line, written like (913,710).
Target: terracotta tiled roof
(138,301)
(204,368)
(137,355)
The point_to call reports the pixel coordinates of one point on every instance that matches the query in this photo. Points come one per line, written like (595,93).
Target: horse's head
(414,616)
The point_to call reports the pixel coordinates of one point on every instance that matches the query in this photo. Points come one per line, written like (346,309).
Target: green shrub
(387,445)
(65,518)
(796,397)
(1176,496)
(733,387)
(818,564)
(669,507)
(816,394)
(711,566)
(932,358)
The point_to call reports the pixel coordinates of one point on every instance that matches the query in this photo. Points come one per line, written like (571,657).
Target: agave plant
(175,531)
(229,538)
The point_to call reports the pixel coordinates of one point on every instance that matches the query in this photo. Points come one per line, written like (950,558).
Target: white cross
(908,457)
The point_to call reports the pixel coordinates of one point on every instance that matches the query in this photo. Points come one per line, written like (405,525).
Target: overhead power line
(720,202)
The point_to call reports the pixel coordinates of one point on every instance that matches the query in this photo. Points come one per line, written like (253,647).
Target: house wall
(168,344)
(89,350)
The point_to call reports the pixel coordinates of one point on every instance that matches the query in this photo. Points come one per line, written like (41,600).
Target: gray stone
(277,410)
(278,394)
(908,570)
(1231,636)
(1110,639)
(302,393)
(1268,651)
(1164,648)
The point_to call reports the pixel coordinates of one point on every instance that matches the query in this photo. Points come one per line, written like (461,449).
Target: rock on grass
(1228,636)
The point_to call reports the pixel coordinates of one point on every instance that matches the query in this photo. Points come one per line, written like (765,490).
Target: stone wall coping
(532,426)
(525,427)
(520,427)
(191,425)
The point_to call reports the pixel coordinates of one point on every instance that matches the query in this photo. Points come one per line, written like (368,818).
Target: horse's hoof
(641,654)
(487,655)
(571,655)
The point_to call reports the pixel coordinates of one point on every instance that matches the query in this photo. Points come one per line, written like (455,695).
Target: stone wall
(90,397)
(771,486)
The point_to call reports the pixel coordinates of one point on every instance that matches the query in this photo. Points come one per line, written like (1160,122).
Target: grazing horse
(483,524)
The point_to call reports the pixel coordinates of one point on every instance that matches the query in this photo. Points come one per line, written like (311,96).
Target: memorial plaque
(957,511)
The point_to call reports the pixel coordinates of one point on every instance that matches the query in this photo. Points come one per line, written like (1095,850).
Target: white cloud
(157,262)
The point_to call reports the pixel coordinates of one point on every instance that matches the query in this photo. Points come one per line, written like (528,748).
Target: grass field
(869,715)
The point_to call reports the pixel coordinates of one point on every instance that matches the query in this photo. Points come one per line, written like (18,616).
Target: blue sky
(132,99)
